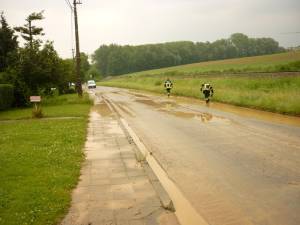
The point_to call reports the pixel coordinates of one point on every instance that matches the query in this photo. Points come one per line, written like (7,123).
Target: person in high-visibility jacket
(207,91)
(168,86)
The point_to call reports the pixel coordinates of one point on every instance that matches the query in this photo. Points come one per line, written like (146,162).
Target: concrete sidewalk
(114,188)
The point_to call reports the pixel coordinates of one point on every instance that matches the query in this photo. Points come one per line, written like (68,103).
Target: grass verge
(279,93)
(40,160)
(59,106)
(247,81)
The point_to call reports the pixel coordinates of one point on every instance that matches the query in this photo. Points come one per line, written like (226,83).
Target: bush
(66,99)
(6,96)
(70,91)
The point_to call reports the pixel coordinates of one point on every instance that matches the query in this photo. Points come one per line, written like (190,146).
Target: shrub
(66,99)
(6,96)
(70,91)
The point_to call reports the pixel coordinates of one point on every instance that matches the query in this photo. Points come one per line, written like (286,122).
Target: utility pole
(73,55)
(78,81)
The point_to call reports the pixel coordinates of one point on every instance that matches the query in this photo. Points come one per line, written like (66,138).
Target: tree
(28,31)
(39,68)
(8,43)
(241,42)
(93,73)
(35,68)
(84,65)
(66,72)
(100,58)
(115,59)
(267,46)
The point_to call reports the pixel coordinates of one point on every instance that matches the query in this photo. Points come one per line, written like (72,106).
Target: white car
(91,84)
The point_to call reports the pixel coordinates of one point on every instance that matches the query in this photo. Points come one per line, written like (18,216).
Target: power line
(74,10)
(295,32)
(69,4)
(72,27)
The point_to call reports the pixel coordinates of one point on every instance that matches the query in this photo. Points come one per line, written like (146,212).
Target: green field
(289,61)
(232,81)
(40,160)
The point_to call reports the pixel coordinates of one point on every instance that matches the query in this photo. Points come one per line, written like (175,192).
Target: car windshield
(91,82)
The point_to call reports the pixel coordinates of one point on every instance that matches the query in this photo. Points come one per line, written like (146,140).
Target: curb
(141,153)
(170,196)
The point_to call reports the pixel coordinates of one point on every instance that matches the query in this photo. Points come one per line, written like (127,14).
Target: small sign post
(37,111)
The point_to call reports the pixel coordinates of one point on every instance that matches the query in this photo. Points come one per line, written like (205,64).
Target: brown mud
(103,109)
(238,110)
(171,108)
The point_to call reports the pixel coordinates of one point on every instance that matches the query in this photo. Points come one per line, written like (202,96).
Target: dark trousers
(206,93)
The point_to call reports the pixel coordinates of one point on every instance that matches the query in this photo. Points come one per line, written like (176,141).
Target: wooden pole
(78,79)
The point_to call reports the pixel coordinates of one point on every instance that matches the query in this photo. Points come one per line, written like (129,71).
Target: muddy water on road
(243,173)
(263,115)
(174,109)
(102,109)
(241,111)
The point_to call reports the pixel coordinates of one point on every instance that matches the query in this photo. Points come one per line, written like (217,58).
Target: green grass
(289,61)
(276,93)
(52,107)
(40,161)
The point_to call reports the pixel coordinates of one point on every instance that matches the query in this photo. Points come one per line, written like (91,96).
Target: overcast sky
(151,21)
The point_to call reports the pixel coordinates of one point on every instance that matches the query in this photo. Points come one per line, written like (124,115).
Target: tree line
(115,59)
(36,68)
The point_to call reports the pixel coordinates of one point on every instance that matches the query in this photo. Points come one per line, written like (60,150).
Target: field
(272,91)
(40,160)
(289,61)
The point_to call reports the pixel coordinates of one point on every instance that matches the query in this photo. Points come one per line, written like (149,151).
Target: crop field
(271,91)
(289,61)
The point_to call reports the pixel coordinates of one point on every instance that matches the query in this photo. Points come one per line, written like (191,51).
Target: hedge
(6,96)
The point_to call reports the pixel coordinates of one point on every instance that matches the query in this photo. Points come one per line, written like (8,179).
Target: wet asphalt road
(235,169)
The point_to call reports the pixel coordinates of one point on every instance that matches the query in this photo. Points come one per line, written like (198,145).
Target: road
(235,166)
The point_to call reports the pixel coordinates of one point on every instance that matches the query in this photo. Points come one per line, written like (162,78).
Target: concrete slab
(114,188)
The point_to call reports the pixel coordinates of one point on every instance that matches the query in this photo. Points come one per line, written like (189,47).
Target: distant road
(234,169)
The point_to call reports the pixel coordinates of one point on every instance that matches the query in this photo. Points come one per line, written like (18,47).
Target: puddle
(179,114)
(241,111)
(103,109)
(165,104)
(139,95)
(170,108)
(169,105)
(212,119)
(116,92)
(149,102)
(202,117)
(263,115)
